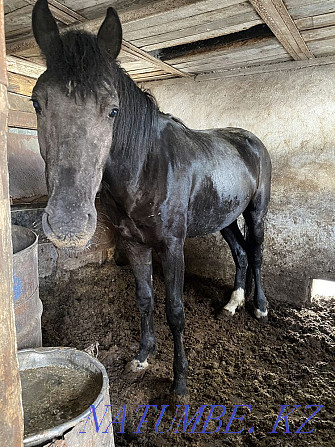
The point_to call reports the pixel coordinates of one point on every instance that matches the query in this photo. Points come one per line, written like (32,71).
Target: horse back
(215,175)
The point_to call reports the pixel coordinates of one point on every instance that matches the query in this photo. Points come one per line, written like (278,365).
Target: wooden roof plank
(240,58)
(167,11)
(19,34)
(19,102)
(207,66)
(13,5)
(20,84)
(145,78)
(307,8)
(200,37)
(327,32)
(18,19)
(314,22)
(257,44)
(127,47)
(23,120)
(138,66)
(276,16)
(156,25)
(129,10)
(198,32)
(322,48)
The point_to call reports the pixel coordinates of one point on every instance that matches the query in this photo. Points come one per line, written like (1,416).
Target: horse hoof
(179,399)
(179,395)
(235,303)
(226,314)
(179,387)
(137,366)
(262,316)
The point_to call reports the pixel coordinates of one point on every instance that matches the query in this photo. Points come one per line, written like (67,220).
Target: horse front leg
(140,258)
(172,257)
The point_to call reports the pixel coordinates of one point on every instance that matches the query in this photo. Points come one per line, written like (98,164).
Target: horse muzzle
(74,235)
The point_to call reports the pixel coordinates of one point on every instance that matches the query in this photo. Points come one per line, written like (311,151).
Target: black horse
(161,182)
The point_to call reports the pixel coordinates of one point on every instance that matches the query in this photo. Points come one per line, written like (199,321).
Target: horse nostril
(90,218)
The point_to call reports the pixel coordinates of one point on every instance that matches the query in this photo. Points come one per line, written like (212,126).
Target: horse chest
(141,224)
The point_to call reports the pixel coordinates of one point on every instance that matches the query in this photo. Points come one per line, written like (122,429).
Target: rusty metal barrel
(27,305)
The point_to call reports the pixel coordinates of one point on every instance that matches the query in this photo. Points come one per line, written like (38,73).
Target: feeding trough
(59,385)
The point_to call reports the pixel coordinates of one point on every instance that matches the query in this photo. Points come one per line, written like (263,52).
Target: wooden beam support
(132,50)
(268,68)
(249,71)
(276,16)
(11,426)
(257,70)
(67,16)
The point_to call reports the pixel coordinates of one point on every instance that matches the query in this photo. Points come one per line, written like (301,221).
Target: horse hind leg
(254,218)
(236,242)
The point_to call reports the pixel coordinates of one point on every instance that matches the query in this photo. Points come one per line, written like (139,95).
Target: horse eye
(37,106)
(113,113)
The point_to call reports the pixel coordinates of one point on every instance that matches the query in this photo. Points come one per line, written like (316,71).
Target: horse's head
(76,104)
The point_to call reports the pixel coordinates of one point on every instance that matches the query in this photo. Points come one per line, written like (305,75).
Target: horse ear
(46,30)
(110,35)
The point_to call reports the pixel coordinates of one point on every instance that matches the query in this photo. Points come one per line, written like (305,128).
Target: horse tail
(256,210)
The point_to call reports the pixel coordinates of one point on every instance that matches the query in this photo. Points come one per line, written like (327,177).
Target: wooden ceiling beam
(69,17)
(136,52)
(250,71)
(276,16)
(24,67)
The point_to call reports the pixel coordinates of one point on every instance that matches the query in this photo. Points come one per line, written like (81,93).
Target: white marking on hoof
(236,301)
(260,314)
(136,365)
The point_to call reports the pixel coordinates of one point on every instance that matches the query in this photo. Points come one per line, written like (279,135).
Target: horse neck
(126,168)
(135,131)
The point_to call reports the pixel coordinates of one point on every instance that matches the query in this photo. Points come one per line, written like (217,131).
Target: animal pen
(260,372)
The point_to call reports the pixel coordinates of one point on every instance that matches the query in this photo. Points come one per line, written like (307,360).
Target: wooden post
(11,417)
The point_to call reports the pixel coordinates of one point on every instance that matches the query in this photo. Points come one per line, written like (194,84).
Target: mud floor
(287,361)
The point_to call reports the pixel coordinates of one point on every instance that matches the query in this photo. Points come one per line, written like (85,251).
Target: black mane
(80,62)
(83,68)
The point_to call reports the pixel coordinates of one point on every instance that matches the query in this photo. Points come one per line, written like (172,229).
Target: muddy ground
(287,361)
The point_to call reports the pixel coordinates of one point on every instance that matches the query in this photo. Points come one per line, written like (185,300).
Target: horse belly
(216,204)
